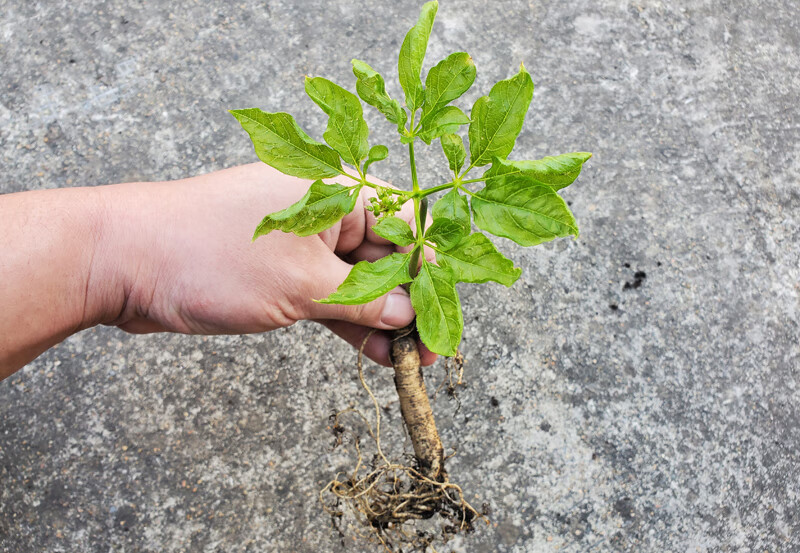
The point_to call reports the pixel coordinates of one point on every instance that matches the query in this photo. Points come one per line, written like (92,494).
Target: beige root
(414,404)
(386,497)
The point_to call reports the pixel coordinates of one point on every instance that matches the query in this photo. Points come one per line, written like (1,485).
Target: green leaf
(454,207)
(372,90)
(394,230)
(279,142)
(475,259)
(519,208)
(379,152)
(321,207)
(347,131)
(445,121)
(445,233)
(412,53)
(439,318)
(454,151)
(446,81)
(557,171)
(368,281)
(497,118)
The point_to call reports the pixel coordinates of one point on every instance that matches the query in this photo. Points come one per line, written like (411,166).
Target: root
(389,500)
(414,404)
(453,369)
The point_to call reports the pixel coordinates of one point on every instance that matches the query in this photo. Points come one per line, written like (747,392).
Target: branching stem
(445,186)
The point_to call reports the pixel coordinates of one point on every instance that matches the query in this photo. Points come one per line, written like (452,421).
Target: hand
(178,257)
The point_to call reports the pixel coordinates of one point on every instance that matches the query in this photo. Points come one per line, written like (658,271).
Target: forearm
(177,257)
(125,255)
(47,244)
(131,255)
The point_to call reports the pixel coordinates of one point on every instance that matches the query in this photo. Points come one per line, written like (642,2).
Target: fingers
(377,348)
(370,252)
(356,226)
(392,310)
(426,356)
(351,230)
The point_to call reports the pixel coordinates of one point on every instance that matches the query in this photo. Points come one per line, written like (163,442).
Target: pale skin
(177,257)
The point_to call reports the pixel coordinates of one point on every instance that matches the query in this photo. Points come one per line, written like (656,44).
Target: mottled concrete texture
(661,416)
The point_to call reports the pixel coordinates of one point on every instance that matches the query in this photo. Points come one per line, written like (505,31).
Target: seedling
(517,200)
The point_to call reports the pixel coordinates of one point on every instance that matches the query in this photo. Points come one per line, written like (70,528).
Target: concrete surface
(658,417)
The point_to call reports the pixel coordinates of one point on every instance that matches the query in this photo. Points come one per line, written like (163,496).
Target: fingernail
(397,310)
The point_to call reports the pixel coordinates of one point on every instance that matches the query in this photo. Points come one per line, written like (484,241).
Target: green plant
(519,200)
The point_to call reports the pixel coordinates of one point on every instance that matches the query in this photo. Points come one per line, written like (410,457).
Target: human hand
(181,252)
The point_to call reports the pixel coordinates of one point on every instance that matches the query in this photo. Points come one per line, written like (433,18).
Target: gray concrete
(661,417)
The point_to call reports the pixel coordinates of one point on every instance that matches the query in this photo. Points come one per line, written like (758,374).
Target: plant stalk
(414,404)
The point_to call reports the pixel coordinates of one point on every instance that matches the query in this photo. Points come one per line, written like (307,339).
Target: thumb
(392,310)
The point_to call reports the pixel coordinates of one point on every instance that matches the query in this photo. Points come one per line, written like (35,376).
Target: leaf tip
(261,230)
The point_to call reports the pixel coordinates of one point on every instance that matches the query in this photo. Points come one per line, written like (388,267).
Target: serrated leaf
(379,152)
(347,131)
(372,89)
(412,54)
(453,207)
(282,144)
(321,207)
(445,121)
(497,118)
(475,259)
(446,81)
(519,208)
(368,281)
(557,171)
(445,233)
(394,230)
(454,151)
(435,300)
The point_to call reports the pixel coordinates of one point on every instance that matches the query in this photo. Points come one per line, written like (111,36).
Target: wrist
(119,274)
(103,293)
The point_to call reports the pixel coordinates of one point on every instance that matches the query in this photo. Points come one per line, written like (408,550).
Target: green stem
(416,193)
(414,181)
(346,174)
(434,189)
(364,181)
(445,186)
(420,213)
(464,174)
(417,198)
(420,205)
(414,266)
